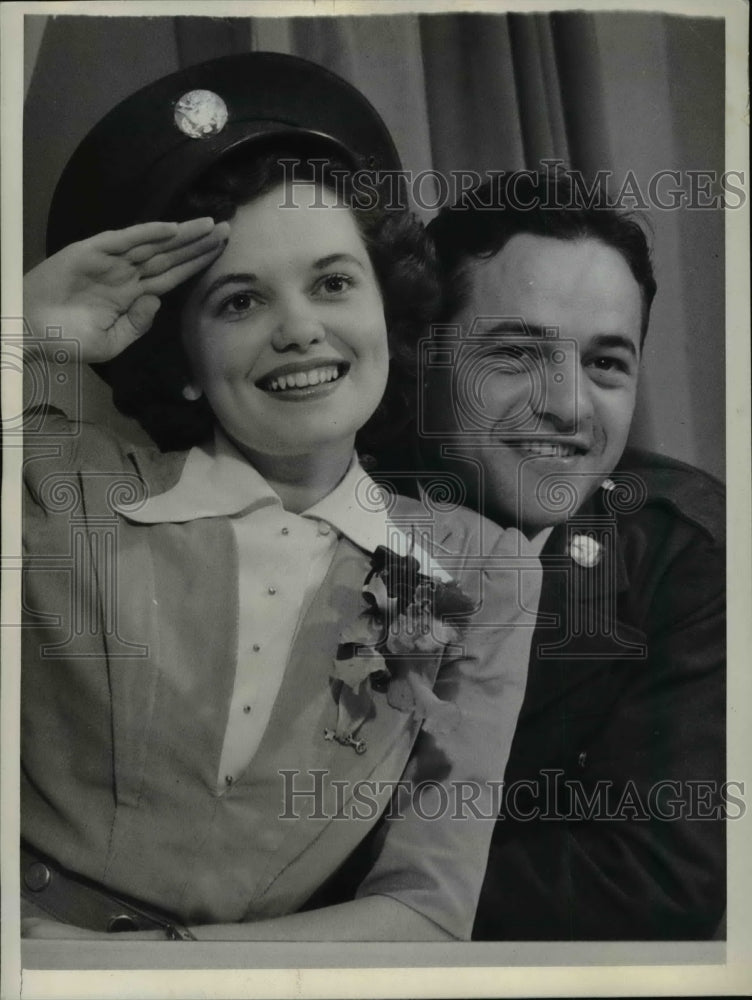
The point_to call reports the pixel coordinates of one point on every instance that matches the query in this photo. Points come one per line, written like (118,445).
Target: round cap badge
(585,551)
(200,114)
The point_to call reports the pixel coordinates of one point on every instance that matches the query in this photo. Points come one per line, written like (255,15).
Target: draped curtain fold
(600,91)
(539,91)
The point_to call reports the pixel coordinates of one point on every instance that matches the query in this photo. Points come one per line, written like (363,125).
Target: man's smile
(549,447)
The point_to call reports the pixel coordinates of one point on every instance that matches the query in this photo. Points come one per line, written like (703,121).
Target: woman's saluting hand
(105,291)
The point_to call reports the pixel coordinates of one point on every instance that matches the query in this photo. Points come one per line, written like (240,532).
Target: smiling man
(551,388)
(612,823)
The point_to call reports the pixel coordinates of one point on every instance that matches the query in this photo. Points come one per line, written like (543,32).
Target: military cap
(152,145)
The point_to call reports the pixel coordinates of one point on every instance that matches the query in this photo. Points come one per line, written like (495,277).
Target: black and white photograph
(376,499)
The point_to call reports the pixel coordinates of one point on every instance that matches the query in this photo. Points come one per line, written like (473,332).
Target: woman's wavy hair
(149,377)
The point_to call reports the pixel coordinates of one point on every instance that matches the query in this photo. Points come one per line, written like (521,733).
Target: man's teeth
(299,380)
(546,449)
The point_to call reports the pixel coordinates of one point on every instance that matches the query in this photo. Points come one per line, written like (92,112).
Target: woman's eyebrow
(228,279)
(336,258)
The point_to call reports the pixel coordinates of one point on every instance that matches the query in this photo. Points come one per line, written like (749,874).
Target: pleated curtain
(615,91)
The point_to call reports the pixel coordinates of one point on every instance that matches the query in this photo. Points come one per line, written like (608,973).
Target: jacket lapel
(116,573)
(295,743)
(581,634)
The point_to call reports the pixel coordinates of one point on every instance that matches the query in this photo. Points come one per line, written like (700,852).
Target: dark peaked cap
(135,161)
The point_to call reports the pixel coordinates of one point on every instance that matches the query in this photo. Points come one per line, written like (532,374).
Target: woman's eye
(334,284)
(237,304)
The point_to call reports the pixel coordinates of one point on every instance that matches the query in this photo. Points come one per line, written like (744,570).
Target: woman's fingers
(165,282)
(185,234)
(153,266)
(54,930)
(139,243)
(141,314)
(108,287)
(118,241)
(164,260)
(131,325)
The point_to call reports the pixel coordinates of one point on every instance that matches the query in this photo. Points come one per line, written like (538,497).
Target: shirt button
(256,647)
(229,779)
(246,709)
(272,590)
(121,922)
(582,759)
(37,876)
(285,531)
(324,528)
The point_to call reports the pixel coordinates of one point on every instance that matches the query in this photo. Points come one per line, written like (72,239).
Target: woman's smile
(304,380)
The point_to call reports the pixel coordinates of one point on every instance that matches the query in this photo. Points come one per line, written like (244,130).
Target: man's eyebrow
(245,278)
(519,327)
(618,340)
(336,258)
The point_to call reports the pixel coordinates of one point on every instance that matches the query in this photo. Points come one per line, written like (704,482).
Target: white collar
(218,481)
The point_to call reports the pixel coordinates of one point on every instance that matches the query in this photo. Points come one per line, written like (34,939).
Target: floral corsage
(394,645)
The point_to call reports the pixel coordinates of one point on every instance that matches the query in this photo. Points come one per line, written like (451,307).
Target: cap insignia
(200,114)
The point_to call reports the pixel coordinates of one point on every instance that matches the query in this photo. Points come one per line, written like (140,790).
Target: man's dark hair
(148,378)
(541,204)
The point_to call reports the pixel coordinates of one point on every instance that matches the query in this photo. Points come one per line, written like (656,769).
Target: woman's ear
(192,392)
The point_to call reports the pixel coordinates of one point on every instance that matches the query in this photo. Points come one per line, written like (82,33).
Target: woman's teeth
(546,449)
(300,380)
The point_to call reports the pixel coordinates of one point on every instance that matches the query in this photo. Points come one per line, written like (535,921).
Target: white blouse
(283,559)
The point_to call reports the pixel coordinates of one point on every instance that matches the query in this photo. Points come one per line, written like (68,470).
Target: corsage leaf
(400,629)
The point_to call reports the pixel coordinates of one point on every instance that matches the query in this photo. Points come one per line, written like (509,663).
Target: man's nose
(298,326)
(564,399)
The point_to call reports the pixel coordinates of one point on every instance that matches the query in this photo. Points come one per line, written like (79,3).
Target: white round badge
(585,551)
(200,114)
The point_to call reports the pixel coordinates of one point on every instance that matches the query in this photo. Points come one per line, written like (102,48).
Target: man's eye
(609,364)
(609,368)
(514,357)
(333,284)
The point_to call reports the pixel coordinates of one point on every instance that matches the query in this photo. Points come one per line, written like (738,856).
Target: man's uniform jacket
(612,822)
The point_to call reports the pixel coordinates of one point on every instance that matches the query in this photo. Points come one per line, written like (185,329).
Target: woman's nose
(298,327)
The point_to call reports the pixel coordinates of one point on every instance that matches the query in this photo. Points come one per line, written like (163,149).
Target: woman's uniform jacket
(120,759)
